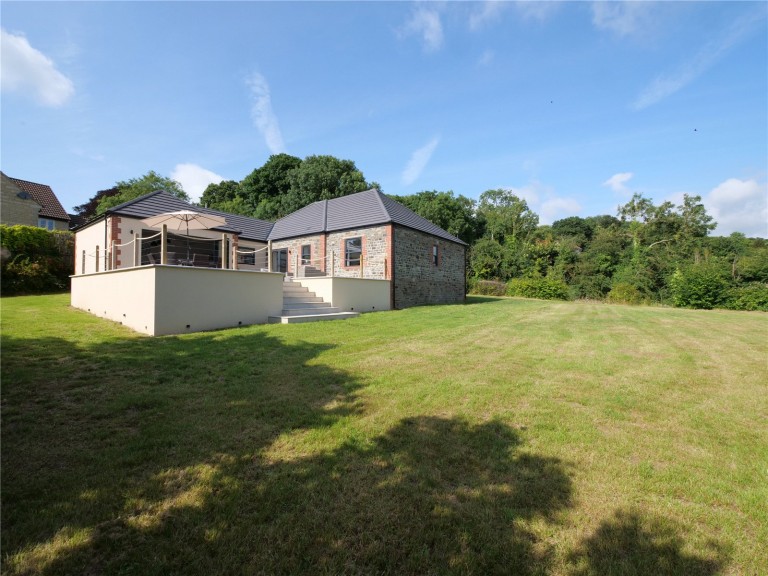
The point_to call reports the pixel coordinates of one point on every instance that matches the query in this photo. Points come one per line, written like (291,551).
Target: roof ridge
(139,198)
(378,195)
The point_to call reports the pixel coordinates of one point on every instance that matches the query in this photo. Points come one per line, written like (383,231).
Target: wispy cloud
(263,116)
(486,58)
(617,182)
(194,179)
(425,22)
(668,84)
(544,201)
(419,160)
(27,70)
(536,9)
(739,206)
(487,12)
(621,18)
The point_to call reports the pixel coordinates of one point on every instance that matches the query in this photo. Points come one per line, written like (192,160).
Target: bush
(699,286)
(624,293)
(35,260)
(543,288)
(751,296)
(487,287)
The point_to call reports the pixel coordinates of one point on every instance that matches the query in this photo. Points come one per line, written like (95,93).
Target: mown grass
(504,436)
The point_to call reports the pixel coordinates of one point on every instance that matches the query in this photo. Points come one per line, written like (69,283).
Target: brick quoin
(115,233)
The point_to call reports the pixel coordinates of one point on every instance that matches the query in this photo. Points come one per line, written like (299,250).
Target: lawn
(504,436)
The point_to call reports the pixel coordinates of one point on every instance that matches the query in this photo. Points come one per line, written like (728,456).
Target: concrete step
(311,318)
(313,310)
(320,303)
(299,299)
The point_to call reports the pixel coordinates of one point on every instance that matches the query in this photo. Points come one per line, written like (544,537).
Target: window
(248,258)
(353,250)
(306,254)
(46,223)
(435,254)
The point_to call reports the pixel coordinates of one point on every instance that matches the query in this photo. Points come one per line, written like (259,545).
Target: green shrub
(624,293)
(543,288)
(35,260)
(486,287)
(751,296)
(699,286)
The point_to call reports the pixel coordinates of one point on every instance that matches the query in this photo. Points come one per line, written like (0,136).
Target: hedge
(35,260)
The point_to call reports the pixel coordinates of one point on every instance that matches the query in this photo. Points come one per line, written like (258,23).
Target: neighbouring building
(30,204)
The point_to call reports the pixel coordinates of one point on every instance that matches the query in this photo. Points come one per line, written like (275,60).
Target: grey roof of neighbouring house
(160,202)
(369,208)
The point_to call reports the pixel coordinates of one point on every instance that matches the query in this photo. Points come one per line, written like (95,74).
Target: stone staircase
(301,305)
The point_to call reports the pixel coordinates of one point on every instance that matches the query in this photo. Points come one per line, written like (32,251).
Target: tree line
(645,253)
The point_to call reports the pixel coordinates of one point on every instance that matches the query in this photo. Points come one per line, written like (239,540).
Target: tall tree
(508,217)
(321,178)
(88,209)
(216,195)
(135,187)
(265,186)
(455,214)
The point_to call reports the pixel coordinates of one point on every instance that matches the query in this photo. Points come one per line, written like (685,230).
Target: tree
(454,214)
(321,178)
(216,195)
(265,186)
(88,209)
(135,187)
(508,218)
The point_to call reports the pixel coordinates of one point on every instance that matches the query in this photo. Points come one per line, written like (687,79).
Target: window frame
(308,260)
(436,254)
(46,223)
(352,262)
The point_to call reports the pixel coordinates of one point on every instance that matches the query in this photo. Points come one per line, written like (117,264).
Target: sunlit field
(504,436)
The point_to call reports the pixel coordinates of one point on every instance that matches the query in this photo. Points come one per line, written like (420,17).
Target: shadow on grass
(474,299)
(170,456)
(630,545)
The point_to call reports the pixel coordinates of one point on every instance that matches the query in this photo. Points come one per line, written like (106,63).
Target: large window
(353,250)
(306,254)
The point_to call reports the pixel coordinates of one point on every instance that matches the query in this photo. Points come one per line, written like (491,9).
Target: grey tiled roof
(160,201)
(369,208)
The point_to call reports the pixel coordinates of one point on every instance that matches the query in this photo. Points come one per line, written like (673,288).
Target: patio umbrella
(185,219)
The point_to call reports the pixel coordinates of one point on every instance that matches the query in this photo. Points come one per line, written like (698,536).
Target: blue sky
(574,105)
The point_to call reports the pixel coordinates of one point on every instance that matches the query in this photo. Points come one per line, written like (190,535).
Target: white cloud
(557,208)
(486,58)
(488,12)
(739,206)
(536,9)
(425,23)
(621,18)
(27,70)
(617,182)
(263,116)
(194,179)
(418,161)
(543,200)
(666,85)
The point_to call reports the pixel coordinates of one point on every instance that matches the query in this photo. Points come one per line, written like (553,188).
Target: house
(361,252)
(119,239)
(30,204)
(369,235)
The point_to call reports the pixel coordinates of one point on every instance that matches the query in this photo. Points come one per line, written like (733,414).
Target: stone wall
(14,209)
(418,280)
(376,243)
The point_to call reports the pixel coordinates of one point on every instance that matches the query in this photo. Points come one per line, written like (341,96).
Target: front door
(280,260)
